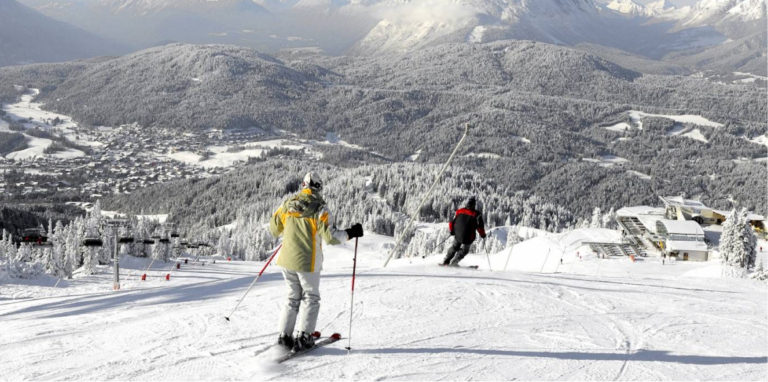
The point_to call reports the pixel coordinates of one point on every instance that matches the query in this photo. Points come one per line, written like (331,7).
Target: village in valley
(63,161)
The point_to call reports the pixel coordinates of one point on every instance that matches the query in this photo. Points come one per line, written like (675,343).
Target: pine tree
(597,220)
(737,244)
(609,220)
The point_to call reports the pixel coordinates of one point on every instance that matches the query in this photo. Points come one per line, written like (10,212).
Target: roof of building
(639,210)
(681,227)
(750,216)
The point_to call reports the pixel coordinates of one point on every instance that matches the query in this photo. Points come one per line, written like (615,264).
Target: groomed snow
(696,135)
(688,132)
(637,116)
(584,319)
(620,127)
(607,160)
(413,157)
(760,140)
(35,149)
(639,174)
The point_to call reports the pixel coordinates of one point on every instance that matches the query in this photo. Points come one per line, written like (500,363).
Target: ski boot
(285,341)
(303,341)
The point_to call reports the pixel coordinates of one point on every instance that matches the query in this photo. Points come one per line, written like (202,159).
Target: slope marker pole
(487,255)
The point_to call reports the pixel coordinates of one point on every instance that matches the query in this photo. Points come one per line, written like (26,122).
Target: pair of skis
(459,266)
(325,341)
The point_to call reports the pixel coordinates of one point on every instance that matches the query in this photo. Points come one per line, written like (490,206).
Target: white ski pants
(302,304)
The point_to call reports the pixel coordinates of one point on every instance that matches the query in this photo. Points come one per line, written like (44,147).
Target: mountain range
(692,36)
(28,36)
(551,121)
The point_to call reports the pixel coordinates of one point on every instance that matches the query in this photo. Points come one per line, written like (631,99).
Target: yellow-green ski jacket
(304,221)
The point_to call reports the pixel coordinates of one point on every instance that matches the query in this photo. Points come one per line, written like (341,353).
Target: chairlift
(93,241)
(149,241)
(174,234)
(33,236)
(124,236)
(92,238)
(204,244)
(164,240)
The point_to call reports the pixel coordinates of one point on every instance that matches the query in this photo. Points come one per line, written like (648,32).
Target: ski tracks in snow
(411,322)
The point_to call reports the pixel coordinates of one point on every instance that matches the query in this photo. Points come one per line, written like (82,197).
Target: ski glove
(355,231)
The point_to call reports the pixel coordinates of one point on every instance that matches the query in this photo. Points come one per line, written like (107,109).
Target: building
(683,239)
(678,208)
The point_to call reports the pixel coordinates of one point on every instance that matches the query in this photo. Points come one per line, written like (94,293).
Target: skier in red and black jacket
(463,226)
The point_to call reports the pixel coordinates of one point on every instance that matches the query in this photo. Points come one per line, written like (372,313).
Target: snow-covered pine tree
(513,237)
(738,245)
(224,245)
(609,219)
(760,272)
(90,260)
(59,257)
(597,220)
(7,252)
(23,265)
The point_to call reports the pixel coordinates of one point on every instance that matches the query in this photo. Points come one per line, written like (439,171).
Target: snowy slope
(32,115)
(592,320)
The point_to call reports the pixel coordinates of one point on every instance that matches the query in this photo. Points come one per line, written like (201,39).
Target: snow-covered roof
(750,216)
(634,211)
(649,221)
(686,245)
(681,227)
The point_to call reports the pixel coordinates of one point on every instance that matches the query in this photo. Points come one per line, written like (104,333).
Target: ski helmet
(313,181)
(471,202)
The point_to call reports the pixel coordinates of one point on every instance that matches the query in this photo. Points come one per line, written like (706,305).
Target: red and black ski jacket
(464,225)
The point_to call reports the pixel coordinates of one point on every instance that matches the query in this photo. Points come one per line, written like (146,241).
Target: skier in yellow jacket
(304,221)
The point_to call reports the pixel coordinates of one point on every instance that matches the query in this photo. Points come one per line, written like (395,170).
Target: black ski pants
(456,253)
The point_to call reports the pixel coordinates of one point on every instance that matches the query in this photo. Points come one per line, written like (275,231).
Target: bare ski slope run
(594,319)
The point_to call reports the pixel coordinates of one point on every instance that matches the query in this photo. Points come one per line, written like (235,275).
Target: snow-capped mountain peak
(708,11)
(408,24)
(660,9)
(627,7)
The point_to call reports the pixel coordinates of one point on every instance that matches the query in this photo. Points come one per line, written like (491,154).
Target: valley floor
(605,319)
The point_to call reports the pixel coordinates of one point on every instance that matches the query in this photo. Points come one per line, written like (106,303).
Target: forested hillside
(544,116)
(376,195)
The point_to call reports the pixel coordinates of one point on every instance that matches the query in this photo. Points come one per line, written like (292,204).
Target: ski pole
(426,195)
(439,246)
(487,256)
(352,299)
(253,282)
